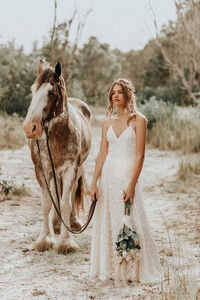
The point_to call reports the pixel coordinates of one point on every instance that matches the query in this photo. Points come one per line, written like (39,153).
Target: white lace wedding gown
(107,220)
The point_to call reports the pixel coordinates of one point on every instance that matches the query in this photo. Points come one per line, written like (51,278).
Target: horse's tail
(80,193)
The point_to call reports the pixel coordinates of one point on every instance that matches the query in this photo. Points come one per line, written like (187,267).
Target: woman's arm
(100,160)
(141,128)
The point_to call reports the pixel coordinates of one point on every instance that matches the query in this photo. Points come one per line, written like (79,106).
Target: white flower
(124,254)
(119,259)
(133,251)
(128,258)
(137,254)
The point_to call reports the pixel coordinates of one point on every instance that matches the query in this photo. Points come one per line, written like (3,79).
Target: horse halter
(58,87)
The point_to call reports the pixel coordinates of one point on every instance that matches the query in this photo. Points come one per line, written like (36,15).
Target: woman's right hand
(94,191)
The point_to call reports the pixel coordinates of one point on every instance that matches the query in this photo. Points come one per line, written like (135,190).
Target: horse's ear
(58,69)
(40,67)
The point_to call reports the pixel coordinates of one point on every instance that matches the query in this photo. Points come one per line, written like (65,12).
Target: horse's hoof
(75,223)
(118,283)
(125,283)
(44,243)
(65,247)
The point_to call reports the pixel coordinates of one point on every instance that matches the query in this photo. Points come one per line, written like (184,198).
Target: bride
(118,167)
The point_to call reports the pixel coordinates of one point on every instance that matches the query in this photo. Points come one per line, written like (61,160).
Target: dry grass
(11,135)
(180,282)
(98,115)
(180,131)
(20,191)
(179,268)
(189,165)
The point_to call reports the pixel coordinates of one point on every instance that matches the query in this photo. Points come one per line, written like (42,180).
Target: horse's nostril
(34,128)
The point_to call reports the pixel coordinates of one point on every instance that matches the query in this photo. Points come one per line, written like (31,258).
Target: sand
(171,206)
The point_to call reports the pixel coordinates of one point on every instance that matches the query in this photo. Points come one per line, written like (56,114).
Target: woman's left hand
(129,194)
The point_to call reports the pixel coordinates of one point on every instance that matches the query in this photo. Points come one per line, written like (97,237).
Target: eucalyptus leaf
(121,239)
(121,245)
(124,246)
(129,233)
(135,236)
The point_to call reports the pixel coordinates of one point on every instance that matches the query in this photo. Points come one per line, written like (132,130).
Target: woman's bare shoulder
(140,118)
(106,123)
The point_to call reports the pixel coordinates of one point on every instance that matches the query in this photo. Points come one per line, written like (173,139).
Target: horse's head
(48,94)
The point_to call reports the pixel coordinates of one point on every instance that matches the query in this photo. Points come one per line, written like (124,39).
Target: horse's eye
(51,93)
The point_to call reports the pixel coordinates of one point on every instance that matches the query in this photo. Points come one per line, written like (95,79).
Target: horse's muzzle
(33,129)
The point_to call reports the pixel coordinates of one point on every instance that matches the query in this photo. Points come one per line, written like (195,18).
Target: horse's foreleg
(45,240)
(65,243)
(75,223)
(54,216)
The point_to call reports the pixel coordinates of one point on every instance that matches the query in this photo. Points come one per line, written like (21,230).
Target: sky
(123,24)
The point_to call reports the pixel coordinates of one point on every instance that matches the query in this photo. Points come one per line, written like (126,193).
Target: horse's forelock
(46,76)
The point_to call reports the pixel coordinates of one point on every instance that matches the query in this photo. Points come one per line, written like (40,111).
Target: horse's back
(80,106)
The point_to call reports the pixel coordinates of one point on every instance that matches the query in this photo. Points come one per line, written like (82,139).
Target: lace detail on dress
(109,213)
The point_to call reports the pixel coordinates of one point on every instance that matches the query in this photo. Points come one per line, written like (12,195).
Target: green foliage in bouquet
(126,240)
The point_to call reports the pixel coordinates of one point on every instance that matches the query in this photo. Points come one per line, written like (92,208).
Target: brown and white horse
(69,141)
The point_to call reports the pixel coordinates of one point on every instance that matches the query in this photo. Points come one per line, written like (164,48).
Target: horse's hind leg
(45,240)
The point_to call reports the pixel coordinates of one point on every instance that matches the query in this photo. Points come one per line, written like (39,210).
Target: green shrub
(172,127)
(156,110)
(173,93)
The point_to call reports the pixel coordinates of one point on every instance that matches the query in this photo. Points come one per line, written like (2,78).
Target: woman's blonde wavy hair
(128,91)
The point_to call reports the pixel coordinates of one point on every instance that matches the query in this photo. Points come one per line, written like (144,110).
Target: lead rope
(93,205)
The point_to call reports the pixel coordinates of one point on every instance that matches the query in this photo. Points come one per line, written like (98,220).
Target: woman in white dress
(118,167)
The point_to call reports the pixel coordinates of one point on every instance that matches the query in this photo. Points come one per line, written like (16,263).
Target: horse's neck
(65,104)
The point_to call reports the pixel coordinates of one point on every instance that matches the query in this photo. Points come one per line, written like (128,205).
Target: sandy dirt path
(27,274)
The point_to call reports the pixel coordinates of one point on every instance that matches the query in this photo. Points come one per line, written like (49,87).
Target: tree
(179,43)
(98,68)
(18,72)
(58,46)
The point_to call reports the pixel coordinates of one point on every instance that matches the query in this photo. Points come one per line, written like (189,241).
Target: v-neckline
(121,133)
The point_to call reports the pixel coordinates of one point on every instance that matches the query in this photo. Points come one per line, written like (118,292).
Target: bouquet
(127,247)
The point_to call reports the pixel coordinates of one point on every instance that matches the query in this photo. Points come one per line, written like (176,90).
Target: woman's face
(118,98)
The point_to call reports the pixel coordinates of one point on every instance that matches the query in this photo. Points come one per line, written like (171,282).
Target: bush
(156,110)
(145,95)
(173,94)
(18,73)
(172,127)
